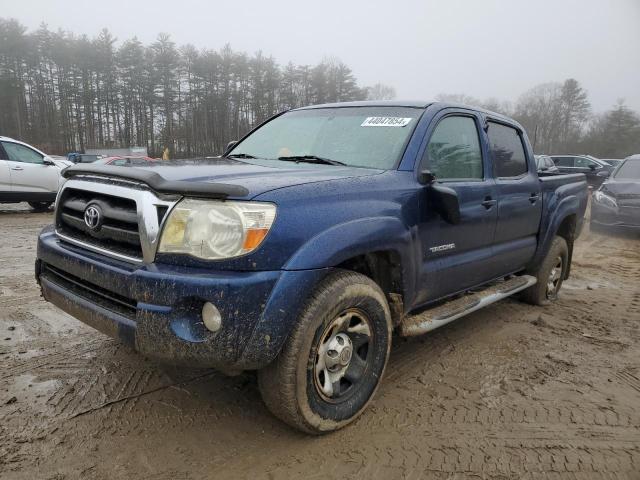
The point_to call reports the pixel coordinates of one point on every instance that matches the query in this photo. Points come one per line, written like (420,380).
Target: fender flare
(565,208)
(347,240)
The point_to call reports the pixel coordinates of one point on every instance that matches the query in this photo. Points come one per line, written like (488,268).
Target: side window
(20,153)
(564,161)
(454,151)
(508,152)
(120,163)
(582,162)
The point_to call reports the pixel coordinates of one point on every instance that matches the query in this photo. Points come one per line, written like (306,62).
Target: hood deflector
(159,183)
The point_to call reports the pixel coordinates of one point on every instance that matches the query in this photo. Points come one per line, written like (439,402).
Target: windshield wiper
(310,159)
(240,155)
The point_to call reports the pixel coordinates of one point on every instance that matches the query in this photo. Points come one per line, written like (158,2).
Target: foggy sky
(483,48)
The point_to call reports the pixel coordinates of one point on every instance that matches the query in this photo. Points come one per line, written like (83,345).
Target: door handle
(17,168)
(488,202)
(533,198)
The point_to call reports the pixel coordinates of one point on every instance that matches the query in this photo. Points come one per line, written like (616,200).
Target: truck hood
(252,179)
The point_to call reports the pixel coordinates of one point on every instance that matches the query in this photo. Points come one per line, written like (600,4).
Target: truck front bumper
(157,308)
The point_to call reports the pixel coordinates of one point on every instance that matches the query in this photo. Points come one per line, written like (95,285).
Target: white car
(28,175)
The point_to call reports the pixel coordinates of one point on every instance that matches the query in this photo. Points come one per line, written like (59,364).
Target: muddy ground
(512,391)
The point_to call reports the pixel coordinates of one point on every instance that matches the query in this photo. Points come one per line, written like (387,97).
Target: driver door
(28,171)
(457,257)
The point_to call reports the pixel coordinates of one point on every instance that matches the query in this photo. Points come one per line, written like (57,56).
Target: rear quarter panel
(562,196)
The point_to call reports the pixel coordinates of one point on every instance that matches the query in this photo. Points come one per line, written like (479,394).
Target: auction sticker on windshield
(385,122)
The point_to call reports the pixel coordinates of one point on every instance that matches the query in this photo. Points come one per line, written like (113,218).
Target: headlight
(605,199)
(214,230)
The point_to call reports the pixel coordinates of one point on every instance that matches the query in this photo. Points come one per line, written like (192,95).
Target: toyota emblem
(93,217)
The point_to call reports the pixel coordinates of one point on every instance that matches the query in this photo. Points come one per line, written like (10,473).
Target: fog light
(211,317)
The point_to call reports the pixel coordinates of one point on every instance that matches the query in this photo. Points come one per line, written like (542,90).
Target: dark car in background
(595,170)
(617,202)
(545,165)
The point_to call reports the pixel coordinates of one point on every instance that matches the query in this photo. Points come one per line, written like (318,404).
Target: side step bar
(435,317)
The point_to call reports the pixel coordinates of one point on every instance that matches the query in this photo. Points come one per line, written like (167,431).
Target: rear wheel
(40,206)
(331,364)
(550,275)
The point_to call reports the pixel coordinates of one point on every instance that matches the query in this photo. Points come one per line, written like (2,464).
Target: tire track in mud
(630,379)
(60,360)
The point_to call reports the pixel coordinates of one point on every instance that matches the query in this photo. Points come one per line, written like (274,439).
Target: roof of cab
(413,104)
(371,103)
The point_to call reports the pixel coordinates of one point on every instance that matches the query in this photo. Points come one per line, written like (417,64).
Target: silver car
(28,175)
(545,164)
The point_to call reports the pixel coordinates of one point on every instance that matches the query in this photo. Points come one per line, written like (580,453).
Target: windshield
(372,137)
(629,170)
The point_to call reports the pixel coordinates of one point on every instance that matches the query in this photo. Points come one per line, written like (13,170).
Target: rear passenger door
(455,257)
(519,198)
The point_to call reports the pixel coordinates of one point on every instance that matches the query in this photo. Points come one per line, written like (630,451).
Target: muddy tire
(332,363)
(40,206)
(550,275)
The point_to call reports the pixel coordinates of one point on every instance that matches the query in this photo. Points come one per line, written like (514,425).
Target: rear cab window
(509,158)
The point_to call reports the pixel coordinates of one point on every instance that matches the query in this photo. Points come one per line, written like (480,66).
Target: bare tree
(379,91)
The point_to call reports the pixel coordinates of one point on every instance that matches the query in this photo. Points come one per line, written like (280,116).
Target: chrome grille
(130,217)
(118,230)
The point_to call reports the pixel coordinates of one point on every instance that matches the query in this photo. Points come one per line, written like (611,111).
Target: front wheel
(332,363)
(40,206)
(550,275)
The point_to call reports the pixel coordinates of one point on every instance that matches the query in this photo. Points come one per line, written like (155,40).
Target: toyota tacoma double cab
(300,250)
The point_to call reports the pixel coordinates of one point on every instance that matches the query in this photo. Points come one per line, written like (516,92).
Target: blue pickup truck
(300,250)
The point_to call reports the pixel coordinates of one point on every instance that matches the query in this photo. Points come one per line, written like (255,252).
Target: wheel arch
(560,218)
(379,247)
(384,267)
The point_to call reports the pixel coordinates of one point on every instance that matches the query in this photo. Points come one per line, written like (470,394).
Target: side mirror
(426,177)
(443,199)
(592,167)
(230,145)
(47,161)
